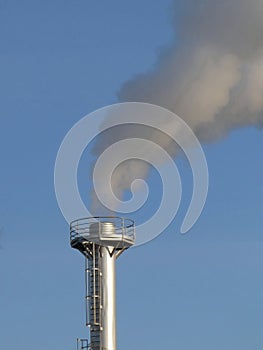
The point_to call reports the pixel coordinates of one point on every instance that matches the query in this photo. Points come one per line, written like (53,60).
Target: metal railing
(84,227)
(83,344)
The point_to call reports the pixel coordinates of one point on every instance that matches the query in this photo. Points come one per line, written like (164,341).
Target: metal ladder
(93,297)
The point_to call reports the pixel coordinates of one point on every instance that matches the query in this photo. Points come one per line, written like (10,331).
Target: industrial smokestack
(101,240)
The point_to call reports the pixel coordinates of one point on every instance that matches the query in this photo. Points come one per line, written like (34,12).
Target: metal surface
(101,240)
(98,230)
(108,317)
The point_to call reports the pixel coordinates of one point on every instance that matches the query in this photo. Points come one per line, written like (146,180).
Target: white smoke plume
(211,76)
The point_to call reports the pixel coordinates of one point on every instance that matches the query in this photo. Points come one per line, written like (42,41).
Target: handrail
(123,228)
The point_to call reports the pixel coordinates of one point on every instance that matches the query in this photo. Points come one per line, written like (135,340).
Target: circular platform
(110,231)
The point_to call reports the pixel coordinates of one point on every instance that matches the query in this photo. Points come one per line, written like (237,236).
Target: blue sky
(60,60)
